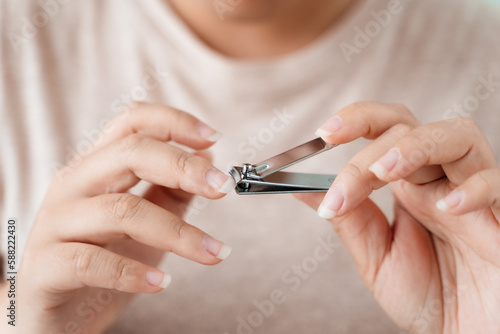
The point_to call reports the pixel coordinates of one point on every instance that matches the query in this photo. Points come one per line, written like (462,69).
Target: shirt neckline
(298,67)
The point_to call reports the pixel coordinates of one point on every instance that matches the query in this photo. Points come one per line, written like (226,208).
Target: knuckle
(89,261)
(360,107)
(132,143)
(361,111)
(121,207)
(400,130)
(123,271)
(401,108)
(180,228)
(83,258)
(405,115)
(416,135)
(412,147)
(185,162)
(353,170)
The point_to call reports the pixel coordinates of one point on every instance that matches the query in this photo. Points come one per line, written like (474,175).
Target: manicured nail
(216,247)
(333,125)
(331,203)
(386,163)
(451,201)
(221,182)
(157,278)
(208,133)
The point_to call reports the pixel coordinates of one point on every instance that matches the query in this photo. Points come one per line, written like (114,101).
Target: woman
(266,74)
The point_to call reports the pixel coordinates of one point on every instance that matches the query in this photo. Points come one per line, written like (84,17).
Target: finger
(364,119)
(120,165)
(173,200)
(79,265)
(462,151)
(159,122)
(355,182)
(477,229)
(114,217)
(479,191)
(384,123)
(385,257)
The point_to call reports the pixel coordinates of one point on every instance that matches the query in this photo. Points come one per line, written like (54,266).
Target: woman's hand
(436,269)
(92,239)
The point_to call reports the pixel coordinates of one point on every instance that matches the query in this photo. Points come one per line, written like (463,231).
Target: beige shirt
(70,66)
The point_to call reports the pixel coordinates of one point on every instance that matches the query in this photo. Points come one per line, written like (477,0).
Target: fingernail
(333,125)
(386,163)
(208,133)
(216,248)
(157,278)
(451,201)
(331,203)
(221,182)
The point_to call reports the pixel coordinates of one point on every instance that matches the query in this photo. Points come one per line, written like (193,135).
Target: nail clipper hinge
(267,178)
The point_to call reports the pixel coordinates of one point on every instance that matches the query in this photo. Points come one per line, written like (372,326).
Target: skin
(259,28)
(101,240)
(435,270)
(92,233)
(432,271)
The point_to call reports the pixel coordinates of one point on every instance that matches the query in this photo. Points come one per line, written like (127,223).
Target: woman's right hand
(92,240)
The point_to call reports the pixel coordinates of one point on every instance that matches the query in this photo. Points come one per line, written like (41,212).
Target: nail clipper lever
(266,177)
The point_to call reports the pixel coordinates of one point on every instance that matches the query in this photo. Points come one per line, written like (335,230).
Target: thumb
(365,232)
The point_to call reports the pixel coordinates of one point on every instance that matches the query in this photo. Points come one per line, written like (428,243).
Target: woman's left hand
(436,269)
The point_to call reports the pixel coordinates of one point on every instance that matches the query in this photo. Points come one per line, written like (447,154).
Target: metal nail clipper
(266,177)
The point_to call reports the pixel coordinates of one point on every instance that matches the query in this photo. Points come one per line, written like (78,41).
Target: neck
(259,28)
